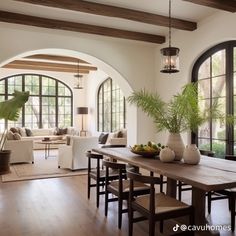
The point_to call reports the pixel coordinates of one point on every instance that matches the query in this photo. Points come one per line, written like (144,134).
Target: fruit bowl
(150,149)
(146,153)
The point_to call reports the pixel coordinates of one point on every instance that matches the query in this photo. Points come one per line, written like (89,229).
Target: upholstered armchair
(73,156)
(21,150)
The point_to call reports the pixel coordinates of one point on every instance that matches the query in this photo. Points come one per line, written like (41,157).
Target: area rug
(42,168)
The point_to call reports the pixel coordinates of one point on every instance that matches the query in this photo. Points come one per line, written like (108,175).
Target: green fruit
(154,146)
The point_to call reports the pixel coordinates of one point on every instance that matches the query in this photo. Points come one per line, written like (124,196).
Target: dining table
(210,174)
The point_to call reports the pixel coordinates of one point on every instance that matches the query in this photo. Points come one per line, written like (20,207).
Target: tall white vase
(175,142)
(191,154)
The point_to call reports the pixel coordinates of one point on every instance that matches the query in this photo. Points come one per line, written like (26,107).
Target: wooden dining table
(210,174)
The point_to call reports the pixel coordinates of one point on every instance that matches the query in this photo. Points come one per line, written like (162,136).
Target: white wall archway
(107,69)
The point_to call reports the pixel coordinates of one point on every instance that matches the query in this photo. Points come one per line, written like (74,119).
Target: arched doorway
(110,71)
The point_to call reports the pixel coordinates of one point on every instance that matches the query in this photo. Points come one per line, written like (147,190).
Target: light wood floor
(59,207)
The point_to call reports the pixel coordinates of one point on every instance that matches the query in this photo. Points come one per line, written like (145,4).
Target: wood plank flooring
(59,207)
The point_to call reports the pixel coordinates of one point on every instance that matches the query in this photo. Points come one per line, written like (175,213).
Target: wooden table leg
(199,203)
(171,187)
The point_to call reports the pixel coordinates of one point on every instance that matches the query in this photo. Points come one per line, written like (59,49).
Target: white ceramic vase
(191,154)
(175,143)
(167,155)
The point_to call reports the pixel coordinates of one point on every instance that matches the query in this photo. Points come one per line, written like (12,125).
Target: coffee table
(47,145)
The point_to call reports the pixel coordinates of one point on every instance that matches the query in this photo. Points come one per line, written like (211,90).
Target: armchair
(73,156)
(21,150)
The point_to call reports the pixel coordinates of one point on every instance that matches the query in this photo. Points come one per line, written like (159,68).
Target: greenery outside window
(111,107)
(49,104)
(215,72)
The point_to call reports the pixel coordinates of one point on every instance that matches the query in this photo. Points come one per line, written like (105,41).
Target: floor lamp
(82,111)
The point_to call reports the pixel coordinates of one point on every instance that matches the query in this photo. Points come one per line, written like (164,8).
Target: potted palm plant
(10,110)
(180,114)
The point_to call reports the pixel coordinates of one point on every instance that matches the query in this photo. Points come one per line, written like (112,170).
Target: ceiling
(55,63)
(181,9)
(143,20)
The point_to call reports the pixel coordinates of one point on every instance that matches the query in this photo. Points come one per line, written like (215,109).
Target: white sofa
(73,156)
(40,134)
(21,150)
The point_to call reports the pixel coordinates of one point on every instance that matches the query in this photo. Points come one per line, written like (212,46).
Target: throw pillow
(22,131)
(110,136)
(16,136)
(104,139)
(10,135)
(100,137)
(120,134)
(14,130)
(60,131)
(28,132)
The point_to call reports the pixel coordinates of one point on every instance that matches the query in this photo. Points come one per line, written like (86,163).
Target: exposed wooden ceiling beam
(16,18)
(50,64)
(56,58)
(112,11)
(44,68)
(226,5)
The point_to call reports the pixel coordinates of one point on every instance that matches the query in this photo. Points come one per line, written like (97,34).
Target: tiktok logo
(175,228)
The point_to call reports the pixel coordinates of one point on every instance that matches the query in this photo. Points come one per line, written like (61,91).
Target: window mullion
(229,98)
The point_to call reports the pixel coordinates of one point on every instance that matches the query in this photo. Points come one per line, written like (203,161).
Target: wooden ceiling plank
(226,5)
(16,18)
(56,58)
(113,11)
(50,64)
(29,67)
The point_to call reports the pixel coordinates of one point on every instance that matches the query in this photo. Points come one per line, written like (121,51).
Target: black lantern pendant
(79,77)
(170,55)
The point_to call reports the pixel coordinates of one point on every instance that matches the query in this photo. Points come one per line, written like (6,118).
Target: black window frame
(40,95)
(101,90)
(228,46)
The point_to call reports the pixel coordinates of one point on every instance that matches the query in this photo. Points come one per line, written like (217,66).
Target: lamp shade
(82,110)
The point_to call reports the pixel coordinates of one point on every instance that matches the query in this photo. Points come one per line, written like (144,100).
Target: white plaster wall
(213,30)
(130,63)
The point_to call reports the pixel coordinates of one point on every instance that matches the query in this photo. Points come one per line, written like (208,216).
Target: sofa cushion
(41,132)
(22,131)
(110,136)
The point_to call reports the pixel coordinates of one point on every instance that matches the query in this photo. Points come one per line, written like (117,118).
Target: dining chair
(154,206)
(185,187)
(97,174)
(119,188)
(229,194)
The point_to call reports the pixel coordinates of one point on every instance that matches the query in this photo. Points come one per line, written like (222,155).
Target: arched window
(215,72)
(49,105)
(111,107)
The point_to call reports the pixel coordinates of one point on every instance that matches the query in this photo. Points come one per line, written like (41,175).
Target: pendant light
(79,77)
(170,55)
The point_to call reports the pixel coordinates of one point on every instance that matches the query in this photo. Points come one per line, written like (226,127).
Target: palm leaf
(183,112)
(10,109)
